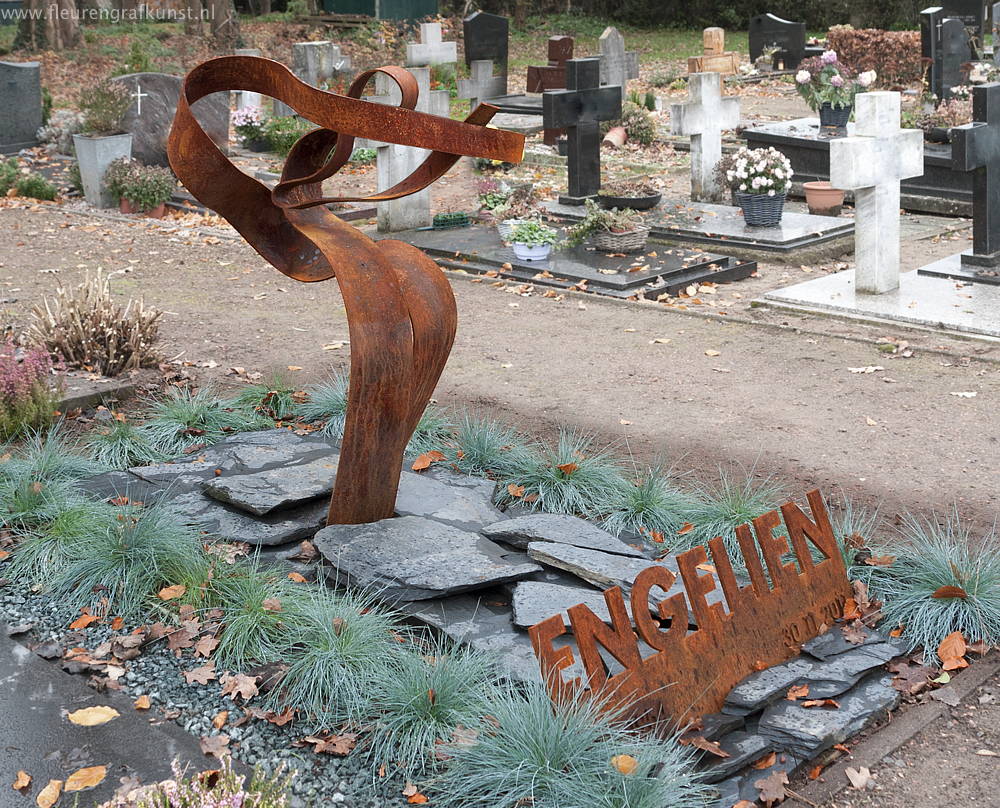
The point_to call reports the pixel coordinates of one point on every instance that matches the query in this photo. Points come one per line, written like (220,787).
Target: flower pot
(938,134)
(128,206)
(831,117)
(506,227)
(630,241)
(615,138)
(823,199)
(531,252)
(761,210)
(95,154)
(635,202)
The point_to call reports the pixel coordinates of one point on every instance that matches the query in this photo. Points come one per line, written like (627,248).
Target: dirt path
(775,396)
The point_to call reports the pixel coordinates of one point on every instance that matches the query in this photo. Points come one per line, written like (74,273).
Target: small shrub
(933,556)
(639,124)
(425,700)
(282,132)
(433,431)
(121,445)
(487,447)
(145,187)
(35,186)
(57,134)
(8,174)
(573,477)
(326,401)
(27,397)
(663,79)
(86,328)
(274,399)
(248,124)
(74,178)
(534,233)
(103,108)
(652,507)
(363,156)
(184,418)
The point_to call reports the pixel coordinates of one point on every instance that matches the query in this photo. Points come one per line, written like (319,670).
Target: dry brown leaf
(93,716)
(950,592)
(815,772)
(220,719)
(206,645)
(339,745)
(859,777)
(215,745)
(297,577)
(84,620)
(711,352)
(271,605)
(171,592)
(409,790)
(142,703)
(767,761)
(417,799)
(701,742)
(86,778)
(626,764)
(568,468)
(49,795)
(424,461)
(200,676)
(239,685)
(797,692)
(22,782)
(515,491)
(687,527)
(951,651)
(829,704)
(772,787)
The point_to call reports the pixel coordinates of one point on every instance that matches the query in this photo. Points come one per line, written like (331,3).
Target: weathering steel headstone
(767,30)
(21,102)
(704,117)
(871,162)
(154,102)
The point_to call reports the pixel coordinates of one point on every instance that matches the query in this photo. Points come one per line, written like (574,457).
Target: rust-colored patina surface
(675,675)
(400,308)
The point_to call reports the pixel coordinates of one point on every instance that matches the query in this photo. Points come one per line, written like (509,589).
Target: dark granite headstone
(995,17)
(767,30)
(973,17)
(944,44)
(154,102)
(486,37)
(21,102)
(579,109)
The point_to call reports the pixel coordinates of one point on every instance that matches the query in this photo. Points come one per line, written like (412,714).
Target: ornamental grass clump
(651,507)
(183,419)
(46,456)
(531,751)
(326,401)
(824,79)
(274,399)
(487,447)
(943,579)
(428,703)
(87,329)
(28,501)
(27,396)
(343,648)
(121,445)
(433,431)
(573,477)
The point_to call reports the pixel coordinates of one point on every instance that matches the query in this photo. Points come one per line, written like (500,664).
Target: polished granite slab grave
(921,301)
(722,226)
(656,271)
(938,190)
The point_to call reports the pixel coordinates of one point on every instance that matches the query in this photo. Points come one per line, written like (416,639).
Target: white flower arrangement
(759,171)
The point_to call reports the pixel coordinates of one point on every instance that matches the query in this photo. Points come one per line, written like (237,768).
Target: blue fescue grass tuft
(28,502)
(933,555)
(326,401)
(433,432)
(530,751)
(487,447)
(47,456)
(427,701)
(342,647)
(120,445)
(652,507)
(273,399)
(183,419)
(573,477)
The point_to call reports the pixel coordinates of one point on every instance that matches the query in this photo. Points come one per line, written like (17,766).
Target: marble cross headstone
(245,98)
(975,147)
(617,64)
(315,63)
(579,109)
(944,46)
(431,50)
(486,37)
(871,162)
(704,117)
(21,102)
(482,85)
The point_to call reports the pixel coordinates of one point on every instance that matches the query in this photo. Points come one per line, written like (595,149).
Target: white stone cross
(138,95)
(245,98)
(704,117)
(483,85)
(430,50)
(871,162)
(617,64)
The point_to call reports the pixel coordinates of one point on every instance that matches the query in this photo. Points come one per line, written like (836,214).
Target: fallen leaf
(767,761)
(86,778)
(49,795)
(515,491)
(829,704)
(239,685)
(409,790)
(339,745)
(745,804)
(171,592)
(815,772)
(417,799)
(214,745)
(22,782)
(963,394)
(987,753)
(93,716)
(294,367)
(84,620)
(626,764)
(568,468)
(713,353)
(772,787)
(297,577)
(142,703)
(424,461)
(871,421)
(951,651)
(687,527)
(220,719)
(200,676)
(950,592)
(206,645)
(797,692)
(860,778)
(271,605)
(701,742)
(910,678)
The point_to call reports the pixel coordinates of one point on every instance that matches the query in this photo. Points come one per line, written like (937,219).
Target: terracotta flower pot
(616,137)
(823,199)
(128,206)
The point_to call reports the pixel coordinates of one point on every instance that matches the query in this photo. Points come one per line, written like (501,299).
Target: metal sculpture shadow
(401,312)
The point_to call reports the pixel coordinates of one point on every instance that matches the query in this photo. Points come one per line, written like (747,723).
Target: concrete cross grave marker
(704,117)
(871,162)
(486,37)
(617,64)
(579,109)
(483,85)
(245,98)
(431,50)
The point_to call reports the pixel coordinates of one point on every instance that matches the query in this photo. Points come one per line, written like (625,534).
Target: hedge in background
(894,55)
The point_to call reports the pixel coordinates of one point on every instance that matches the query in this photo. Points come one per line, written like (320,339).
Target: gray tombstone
(486,37)
(995,16)
(767,30)
(617,64)
(21,102)
(316,63)
(154,102)
(944,45)
(244,98)
(972,13)
(482,85)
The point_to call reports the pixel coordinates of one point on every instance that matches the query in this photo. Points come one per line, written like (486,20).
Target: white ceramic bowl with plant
(532,240)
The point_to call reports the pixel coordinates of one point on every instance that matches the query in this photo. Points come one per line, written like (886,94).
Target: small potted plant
(492,195)
(637,194)
(610,230)
(139,188)
(520,206)
(938,123)
(829,87)
(765,62)
(248,123)
(760,179)
(532,240)
(101,139)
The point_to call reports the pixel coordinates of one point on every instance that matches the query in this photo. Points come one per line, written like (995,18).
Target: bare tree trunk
(48,25)
(225,25)
(193,25)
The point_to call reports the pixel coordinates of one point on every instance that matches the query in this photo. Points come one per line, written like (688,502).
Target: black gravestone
(21,105)
(973,17)
(944,45)
(486,37)
(767,30)
(579,109)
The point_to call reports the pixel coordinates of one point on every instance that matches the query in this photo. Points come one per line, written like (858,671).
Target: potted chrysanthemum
(532,240)
(829,86)
(759,180)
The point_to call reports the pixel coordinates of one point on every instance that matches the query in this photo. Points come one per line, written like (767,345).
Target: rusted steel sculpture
(400,308)
(683,674)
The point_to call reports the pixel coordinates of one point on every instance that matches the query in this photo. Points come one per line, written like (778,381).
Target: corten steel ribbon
(401,312)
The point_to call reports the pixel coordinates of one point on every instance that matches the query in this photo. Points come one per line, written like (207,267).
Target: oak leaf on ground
(85,778)
(772,787)
(49,795)
(93,716)
(22,782)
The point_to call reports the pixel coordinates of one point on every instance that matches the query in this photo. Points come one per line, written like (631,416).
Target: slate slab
(535,601)
(833,642)
(741,786)
(467,507)
(806,732)
(744,748)
(263,492)
(414,558)
(230,523)
(764,687)
(840,673)
(558,528)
